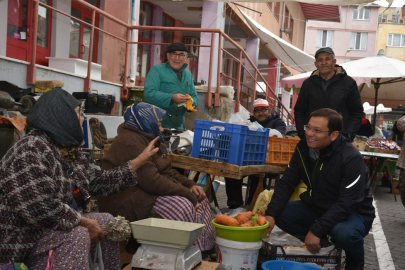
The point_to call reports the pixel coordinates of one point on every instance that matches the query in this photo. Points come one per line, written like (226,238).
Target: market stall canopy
(323,2)
(368,109)
(284,51)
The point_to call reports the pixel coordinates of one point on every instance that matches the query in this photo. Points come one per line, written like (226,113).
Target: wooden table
(226,170)
(378,167)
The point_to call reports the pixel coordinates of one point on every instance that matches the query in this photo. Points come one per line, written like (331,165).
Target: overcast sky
(397,3)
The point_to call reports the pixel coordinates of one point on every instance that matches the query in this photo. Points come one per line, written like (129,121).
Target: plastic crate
(274,252)
(229,143)
(280,150)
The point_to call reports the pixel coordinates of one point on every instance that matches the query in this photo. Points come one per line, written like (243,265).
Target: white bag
(96,261)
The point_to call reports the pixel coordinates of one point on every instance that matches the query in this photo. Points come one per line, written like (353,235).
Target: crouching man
(337,202)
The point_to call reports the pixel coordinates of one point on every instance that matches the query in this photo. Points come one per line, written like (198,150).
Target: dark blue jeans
(349,235)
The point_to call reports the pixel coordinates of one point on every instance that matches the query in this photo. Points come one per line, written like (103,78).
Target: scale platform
(166,244)
(155,255)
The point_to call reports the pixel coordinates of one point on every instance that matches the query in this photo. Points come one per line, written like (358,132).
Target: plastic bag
(96,261)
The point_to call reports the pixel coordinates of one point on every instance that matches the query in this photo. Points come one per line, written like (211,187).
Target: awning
(323,2)
(286,52)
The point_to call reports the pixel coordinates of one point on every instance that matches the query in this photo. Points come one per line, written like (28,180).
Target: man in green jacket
(168,83)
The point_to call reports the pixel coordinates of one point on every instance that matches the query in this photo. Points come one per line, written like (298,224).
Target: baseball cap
(326,49)
(260,103)
(177,46)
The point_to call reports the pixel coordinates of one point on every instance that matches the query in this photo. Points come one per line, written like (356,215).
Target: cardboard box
(378,150)
(359,145)
(394,186)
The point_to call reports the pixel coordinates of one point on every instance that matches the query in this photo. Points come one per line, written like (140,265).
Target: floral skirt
(71,249)
(180,208)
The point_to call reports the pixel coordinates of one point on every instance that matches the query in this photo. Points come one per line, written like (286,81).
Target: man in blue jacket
(168,83)
(337,202)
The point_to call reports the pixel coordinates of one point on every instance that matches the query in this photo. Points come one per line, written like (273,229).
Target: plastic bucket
(239,255)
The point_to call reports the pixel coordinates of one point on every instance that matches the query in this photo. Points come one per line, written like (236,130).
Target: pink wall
(342,33)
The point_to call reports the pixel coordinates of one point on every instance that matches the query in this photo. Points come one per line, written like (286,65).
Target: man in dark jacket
(263,115)
(329,87)
(337,202)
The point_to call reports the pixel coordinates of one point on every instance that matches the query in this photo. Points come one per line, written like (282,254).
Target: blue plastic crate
(229,143)
(288,265)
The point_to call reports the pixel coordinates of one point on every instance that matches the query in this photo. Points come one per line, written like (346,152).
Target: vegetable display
(243,219)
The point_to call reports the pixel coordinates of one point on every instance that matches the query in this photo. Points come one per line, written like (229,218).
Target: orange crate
(280,150)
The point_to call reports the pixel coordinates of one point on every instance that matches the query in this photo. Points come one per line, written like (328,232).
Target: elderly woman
(38,178)
(161,189)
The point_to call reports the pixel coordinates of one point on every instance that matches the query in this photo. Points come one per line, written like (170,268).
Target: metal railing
(31,69)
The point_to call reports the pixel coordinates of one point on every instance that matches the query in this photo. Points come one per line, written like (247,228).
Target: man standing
(337,202)
(168,83)
(263,115)
(329,87)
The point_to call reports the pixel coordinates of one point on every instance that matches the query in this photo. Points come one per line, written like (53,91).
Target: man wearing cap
(168,83)
(329,87)
(263,115)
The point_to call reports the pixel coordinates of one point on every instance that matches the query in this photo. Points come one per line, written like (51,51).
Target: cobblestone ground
(392,228)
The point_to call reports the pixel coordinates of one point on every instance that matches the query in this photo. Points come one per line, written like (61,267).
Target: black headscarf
(55,115)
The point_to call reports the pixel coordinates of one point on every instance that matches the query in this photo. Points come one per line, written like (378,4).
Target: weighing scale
(166,244)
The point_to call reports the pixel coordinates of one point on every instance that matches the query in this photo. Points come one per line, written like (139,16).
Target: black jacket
(341,94)
(273,122)
(336,181)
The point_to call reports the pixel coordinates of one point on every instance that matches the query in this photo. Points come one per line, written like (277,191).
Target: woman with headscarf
(161,189)
(38,178)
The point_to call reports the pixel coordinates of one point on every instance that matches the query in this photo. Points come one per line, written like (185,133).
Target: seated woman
(160,188)
(38,177)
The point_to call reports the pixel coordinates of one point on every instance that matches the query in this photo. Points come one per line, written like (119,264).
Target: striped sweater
(36,187)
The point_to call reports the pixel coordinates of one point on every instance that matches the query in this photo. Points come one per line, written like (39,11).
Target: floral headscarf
(145,117)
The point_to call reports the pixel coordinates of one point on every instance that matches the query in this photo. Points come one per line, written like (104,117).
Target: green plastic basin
(241,234)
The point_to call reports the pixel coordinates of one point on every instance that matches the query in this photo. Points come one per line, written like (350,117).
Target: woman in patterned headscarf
(38,177)
(161,190)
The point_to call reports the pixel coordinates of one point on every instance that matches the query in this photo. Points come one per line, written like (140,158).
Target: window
(324,38)
(270,5)
(395,18)
(361,14)
(291,27)
(358,41)
(396,40)
(382,18)
(276,10)
(286,18)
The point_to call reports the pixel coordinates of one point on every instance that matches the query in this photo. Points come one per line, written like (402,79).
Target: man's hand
(272,223)
(179,98)
(95,231)
(199,192)
(313,243)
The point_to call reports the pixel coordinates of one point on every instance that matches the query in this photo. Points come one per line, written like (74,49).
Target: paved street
(385,245)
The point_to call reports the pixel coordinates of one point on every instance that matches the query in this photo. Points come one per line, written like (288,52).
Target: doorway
(19,27)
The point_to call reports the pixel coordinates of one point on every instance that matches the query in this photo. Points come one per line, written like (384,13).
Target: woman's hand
(199,192)
(95,231)
(145,155)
